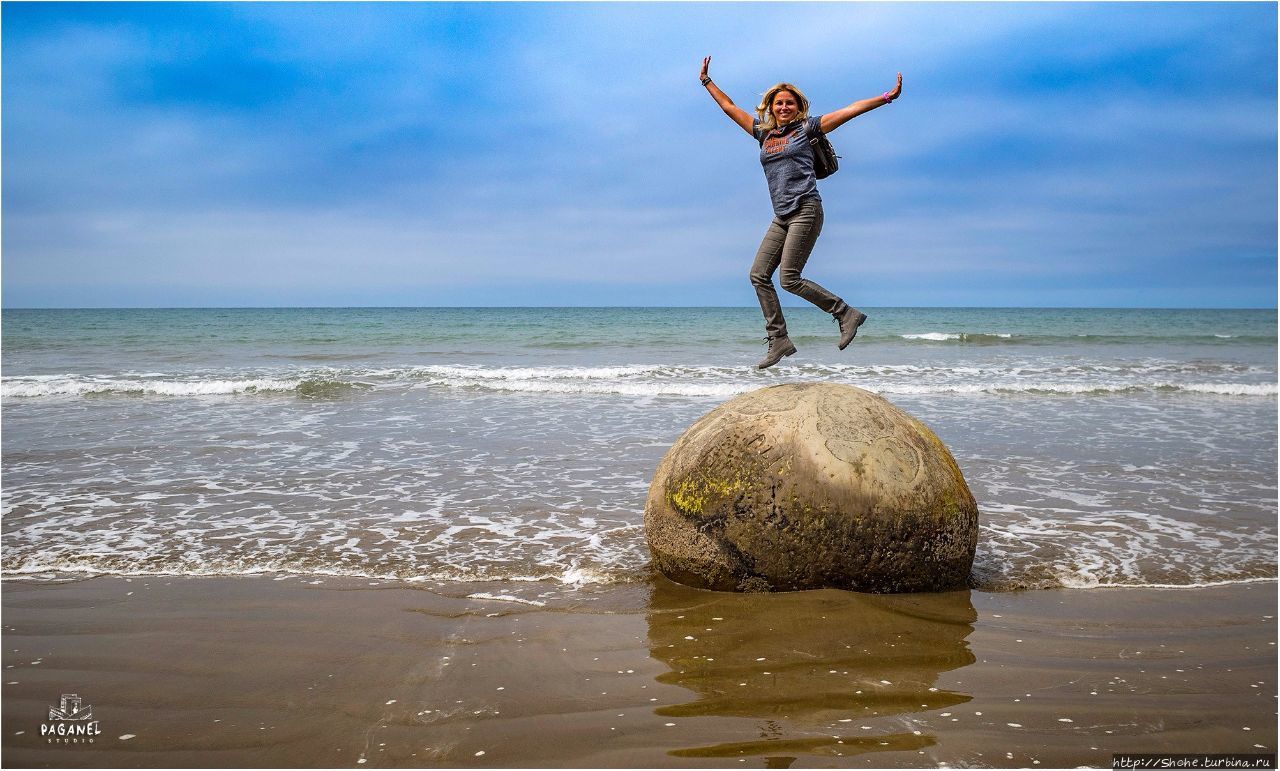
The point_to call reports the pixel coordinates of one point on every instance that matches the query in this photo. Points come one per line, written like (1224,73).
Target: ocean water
(463,446)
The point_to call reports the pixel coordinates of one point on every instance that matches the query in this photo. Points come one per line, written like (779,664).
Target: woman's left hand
(837,118)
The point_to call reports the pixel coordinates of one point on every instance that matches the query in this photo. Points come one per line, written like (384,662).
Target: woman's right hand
(735,113)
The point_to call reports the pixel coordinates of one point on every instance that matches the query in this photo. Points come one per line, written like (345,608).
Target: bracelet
(885,96)
(705,81)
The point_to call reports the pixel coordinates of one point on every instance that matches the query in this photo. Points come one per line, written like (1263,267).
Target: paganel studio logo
(71,722)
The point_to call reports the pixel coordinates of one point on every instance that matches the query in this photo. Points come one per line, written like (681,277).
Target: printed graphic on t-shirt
(777,144)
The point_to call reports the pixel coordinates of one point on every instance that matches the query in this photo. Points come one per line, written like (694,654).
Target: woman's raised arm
(735,113)
(834,120)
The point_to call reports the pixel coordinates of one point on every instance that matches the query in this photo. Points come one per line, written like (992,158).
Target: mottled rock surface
(811,485)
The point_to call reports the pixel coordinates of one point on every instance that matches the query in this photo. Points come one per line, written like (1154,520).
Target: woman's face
(785,107)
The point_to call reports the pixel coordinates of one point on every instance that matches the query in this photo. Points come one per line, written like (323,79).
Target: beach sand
(256,671)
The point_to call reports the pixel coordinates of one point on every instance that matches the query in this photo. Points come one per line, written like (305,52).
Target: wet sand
(264,672)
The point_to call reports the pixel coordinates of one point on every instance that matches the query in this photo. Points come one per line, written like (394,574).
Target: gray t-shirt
(788,164)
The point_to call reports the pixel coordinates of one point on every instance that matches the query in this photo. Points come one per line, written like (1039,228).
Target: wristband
(885,96)
(705,81)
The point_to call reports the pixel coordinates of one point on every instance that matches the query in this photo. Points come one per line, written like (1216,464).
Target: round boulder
(811,485)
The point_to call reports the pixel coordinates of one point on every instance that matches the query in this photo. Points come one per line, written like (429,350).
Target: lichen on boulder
(811,485)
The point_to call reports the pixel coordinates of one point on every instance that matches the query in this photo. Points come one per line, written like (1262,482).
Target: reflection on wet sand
(809,665)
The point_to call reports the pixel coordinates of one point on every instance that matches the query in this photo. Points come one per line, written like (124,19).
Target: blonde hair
(765,115)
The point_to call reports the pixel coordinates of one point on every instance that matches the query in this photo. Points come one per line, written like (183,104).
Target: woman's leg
(767,259)
(802,229)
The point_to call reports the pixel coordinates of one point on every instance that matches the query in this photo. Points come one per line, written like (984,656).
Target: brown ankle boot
(778,347)
(849,322)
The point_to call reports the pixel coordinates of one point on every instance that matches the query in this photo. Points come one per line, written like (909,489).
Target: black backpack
(825,161)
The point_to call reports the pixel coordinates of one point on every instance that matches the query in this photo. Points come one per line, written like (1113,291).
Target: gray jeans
(788,243)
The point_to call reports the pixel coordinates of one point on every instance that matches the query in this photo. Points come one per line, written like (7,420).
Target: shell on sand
(811,485)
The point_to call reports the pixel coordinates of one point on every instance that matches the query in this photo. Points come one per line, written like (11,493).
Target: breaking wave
(678,380)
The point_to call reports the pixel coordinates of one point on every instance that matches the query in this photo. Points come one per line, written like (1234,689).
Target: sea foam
(699,382)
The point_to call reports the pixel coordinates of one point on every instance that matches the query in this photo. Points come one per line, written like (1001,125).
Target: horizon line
(621,307)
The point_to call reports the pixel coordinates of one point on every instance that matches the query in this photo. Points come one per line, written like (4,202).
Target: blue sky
(411,154)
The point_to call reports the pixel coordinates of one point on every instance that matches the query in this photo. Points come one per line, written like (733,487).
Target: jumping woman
(782,126)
